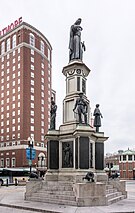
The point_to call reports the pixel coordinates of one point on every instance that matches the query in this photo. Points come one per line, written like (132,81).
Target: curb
(28,208)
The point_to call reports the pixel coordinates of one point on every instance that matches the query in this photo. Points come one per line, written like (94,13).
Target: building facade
(25,94)
(127,164)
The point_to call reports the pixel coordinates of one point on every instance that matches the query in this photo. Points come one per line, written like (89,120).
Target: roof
(128,152)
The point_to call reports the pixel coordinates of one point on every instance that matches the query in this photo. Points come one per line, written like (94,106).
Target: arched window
(32,40)
(8,44)
(14,41)
(2,48)
(42,47)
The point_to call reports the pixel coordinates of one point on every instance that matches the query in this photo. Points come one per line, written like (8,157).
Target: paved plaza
(12,201)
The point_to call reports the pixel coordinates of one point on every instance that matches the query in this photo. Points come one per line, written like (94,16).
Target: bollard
(15,181)
(7,183)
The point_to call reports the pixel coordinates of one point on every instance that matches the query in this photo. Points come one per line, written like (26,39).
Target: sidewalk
(13,196)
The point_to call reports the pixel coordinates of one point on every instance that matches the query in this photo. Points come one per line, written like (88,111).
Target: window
(19,58)
(32,97)
(14,41)
(130,167)
(19,73)
(7,63)
(18,81)
(7,138)
(32,74)
(129,157)
(19,97)
(42,139)
(32,67)
(32,113)
(42,80)
(13,68)
(18,104)
(13,91)
(13,113)
(8,107)
(8,56)
(2,59)
(13,162)
(19,127)
(18,112)
(32,105)
(2,116)
(7,129)
(18,137)
(7,78)
(2,130)
(42,87)
(13,60)
(7,70)
(13,83)
(2,162)
(42,72)
(2,138)
(32,39)
(42,109)
(42,123)
(32,90)
(42,65)
(42,130)
(2,73)
(7,122)
(32,128)
(49,55)
(13,75)
(42,116)
(18,66)
(2,48)
(32,59)
(13,128)
(13,121)
(18,120)
(8,44)
(42,47)
(32,52)
(2,66)
(7,162)
(42,101)
(19,50)
(42,94)
(124,157)
(32,120)
(32,82)
(14,53)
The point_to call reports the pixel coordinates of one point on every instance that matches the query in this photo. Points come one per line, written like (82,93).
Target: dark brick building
(25,94)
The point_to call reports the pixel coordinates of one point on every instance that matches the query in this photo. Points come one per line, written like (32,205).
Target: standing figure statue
(53,114)
(76,47)
(97,119)
(82,108)
(67,155)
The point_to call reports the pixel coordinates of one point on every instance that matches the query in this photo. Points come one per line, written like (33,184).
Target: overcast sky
(109,35)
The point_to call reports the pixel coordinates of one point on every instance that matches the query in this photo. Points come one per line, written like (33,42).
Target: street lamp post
(30,144)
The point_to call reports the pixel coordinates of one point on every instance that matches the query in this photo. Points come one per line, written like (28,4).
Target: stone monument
(76,148)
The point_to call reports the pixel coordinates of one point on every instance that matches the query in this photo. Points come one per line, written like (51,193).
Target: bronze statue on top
(97,119)
(76,47)
(53,114)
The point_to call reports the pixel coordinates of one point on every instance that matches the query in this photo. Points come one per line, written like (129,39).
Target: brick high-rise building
(25,93)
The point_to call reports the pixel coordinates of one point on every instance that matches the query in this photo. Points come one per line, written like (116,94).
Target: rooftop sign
(11,26)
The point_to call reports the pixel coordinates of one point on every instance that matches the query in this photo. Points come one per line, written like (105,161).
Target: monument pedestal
(73,151)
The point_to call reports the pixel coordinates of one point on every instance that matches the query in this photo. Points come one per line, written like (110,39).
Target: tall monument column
(76,147)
